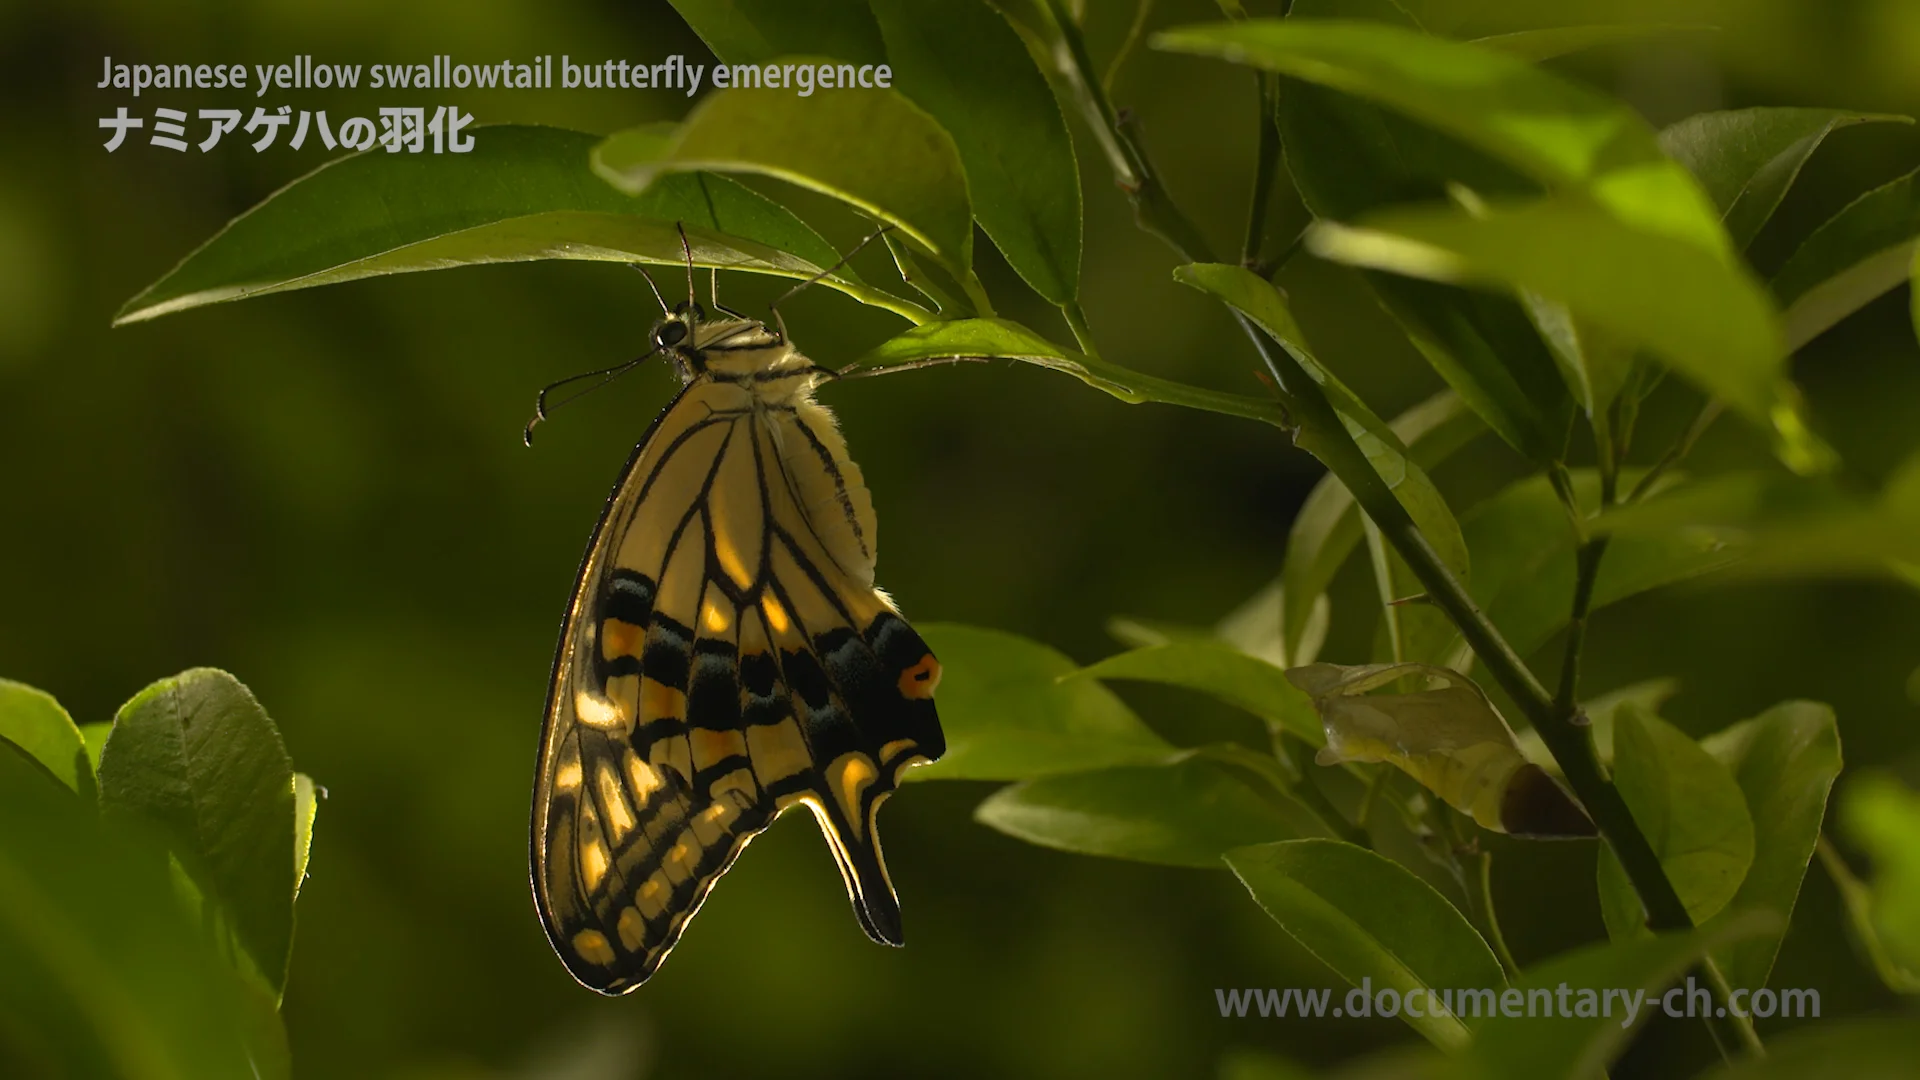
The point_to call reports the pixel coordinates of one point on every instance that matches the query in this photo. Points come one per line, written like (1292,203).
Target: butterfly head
(674,337)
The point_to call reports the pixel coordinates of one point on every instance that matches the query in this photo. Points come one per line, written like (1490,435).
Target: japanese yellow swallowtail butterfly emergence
(725,656)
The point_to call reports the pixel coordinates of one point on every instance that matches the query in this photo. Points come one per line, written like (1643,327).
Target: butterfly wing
(725,656)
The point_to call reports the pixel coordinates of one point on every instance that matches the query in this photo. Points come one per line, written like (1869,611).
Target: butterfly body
(725,656)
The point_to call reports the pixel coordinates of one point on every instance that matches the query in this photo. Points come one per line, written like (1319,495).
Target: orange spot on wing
(620,638)
(920,680)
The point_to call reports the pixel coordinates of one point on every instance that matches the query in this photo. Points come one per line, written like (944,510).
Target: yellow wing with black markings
(725,656)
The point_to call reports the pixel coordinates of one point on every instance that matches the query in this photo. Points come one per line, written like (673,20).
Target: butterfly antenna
(687,250)
(651,285)
(542,410)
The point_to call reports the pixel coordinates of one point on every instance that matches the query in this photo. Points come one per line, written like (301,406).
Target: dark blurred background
(325,493)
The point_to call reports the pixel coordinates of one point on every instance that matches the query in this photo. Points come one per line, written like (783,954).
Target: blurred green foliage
(325,491)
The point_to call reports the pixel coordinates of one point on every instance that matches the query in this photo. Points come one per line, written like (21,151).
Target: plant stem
(1135,31)
(1587,570)
(1077,322)
(1118,138)
(1266,164)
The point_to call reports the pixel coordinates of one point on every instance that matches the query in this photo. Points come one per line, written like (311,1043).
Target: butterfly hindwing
(725,656)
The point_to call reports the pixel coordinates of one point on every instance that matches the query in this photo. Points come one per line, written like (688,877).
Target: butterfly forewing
(725,656)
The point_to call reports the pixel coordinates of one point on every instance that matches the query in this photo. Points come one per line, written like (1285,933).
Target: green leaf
(1556,131)
(1850,260)
(1696,310)
(1769,523)
(1254,297)
(1594,365)
(1856,1048)
(1010,713)
(1373,922)
(1001,339)
(1747,159)
(33,721)
(872,149)
(759,31)
(1214,667)
(1693,814)
(1524,564)
(196,756)
(99,973)
(523,193)
(1485,348)
(1856,897)
(95,735)
(962,62)
(1186,812)
(1526,1043)
(1883,818)
(1548,42)
(1257,627)
(1327,528)
(1785,761)
(306,807)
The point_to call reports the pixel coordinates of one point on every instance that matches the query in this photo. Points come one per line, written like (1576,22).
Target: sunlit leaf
(1692,813)
(1785,761)
(33,721)
(1444,734)
(522,193)
(196,756)
(1747,159)
(1009,715)
(1218,669)
(962,62)
(870,148)
(1373,922)
(1186,812)
(306,807)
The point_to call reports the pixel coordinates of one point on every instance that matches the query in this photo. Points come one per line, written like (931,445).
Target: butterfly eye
(670,334)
